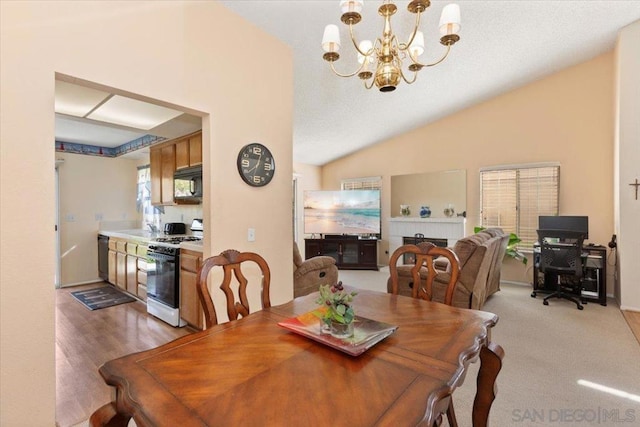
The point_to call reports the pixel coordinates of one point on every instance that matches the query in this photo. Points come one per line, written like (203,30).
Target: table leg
(491,357)
(108,416)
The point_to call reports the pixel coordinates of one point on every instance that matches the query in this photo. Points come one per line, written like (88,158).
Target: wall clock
(256,164)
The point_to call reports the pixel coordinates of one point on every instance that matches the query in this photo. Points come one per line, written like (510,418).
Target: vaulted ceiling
(504,45)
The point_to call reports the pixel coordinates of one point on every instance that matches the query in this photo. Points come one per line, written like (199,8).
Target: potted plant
(335,310)
(512,246)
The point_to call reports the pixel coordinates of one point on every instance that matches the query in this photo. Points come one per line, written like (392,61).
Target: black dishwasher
(103,257)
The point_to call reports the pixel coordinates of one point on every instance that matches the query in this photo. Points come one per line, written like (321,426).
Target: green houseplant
(512,246)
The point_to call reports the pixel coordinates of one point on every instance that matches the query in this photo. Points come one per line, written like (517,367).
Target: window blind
(369,183)
(513,198)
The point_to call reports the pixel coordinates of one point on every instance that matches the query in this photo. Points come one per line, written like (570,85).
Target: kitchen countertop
(134,234)
(147,236)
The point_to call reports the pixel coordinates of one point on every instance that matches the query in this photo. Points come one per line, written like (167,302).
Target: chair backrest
(231,261)
(424,253)
(561,251)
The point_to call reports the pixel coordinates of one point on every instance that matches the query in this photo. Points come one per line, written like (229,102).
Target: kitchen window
(150,214)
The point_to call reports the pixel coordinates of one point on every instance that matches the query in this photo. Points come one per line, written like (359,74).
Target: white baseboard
(513,282)
(69,285)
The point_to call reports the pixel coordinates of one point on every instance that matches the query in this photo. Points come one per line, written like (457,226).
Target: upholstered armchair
(480,256)
(309,274)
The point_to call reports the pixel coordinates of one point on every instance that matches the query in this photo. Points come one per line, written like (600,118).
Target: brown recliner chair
(309,274)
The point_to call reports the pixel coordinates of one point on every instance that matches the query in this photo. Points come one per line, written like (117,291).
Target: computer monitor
(571,223)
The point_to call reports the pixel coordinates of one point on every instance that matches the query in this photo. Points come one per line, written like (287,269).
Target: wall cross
(636,184)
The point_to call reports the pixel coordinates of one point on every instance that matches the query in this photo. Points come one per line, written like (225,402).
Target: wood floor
(633,319)
(86,339)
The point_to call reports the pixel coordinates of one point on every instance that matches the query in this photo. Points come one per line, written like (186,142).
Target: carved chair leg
(491,357)
(108,416)
(451,414)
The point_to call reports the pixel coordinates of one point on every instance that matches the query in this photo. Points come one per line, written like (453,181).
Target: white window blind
(369,183)
(512,198)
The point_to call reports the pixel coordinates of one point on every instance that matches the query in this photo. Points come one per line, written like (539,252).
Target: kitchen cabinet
(195,149)
(132,268)
(163,164)
(121,270)
(141,265)
(190,307)
(167,169)
(127,266)
(168,157)
(112,261)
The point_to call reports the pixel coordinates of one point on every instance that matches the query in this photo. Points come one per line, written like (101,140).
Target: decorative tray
(366,332)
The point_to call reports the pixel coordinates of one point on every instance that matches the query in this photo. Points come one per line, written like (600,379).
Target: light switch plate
(251,235)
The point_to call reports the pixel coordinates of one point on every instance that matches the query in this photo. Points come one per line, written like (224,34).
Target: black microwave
(187,185)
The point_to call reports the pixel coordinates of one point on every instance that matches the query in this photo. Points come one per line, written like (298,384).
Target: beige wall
(627,223)
(91,186)
(566,117)
(173,52)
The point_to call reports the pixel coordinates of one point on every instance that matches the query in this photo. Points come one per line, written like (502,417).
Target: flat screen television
(342,212)
(570,223)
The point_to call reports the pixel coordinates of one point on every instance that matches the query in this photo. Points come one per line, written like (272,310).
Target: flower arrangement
(335,304)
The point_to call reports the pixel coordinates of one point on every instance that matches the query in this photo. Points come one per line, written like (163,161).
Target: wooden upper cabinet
(166,159)
(189,151)
(166,175)
(182,154)
(195,149)
(155,160)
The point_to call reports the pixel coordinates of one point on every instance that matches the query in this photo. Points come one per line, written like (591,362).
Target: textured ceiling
(504,45)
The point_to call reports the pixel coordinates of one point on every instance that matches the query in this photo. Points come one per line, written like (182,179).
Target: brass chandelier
(381,61)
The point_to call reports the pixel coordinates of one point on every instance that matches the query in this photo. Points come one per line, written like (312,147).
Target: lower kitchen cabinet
(128,267)
(141,265)
(121,264)
(190,307)
(132,268)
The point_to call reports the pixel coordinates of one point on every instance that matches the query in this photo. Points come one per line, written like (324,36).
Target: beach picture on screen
(342,212)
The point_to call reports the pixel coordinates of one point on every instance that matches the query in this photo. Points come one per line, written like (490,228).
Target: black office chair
(561,256)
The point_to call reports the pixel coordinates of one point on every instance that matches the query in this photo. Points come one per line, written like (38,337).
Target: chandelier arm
(369,86)
(415,61)
(355,43)
(346,75)
(415,76)
(403,46)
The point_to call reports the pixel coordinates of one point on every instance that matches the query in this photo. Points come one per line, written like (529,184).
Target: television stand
(349,251)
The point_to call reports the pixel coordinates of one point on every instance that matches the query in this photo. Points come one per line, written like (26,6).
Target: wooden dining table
(253,372)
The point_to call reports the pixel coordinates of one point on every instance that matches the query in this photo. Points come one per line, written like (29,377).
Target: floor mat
(105,296)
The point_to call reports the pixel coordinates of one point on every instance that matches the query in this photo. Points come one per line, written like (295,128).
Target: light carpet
(550,352)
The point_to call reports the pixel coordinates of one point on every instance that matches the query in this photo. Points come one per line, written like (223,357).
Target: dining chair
(425,254)
(231,262)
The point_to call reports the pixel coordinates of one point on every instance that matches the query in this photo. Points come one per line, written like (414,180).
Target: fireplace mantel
(451,229)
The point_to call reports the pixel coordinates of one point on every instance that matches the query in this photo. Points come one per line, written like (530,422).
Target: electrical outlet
(251,235)
(99,217)
(70,217)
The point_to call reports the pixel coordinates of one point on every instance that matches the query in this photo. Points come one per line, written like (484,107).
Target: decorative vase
(405,210)
(449,211)
(341,330)
(425,212)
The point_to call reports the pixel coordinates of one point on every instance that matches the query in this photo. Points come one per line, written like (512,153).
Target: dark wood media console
(350,252)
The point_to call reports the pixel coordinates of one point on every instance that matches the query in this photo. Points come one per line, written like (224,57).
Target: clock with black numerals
(256,165)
